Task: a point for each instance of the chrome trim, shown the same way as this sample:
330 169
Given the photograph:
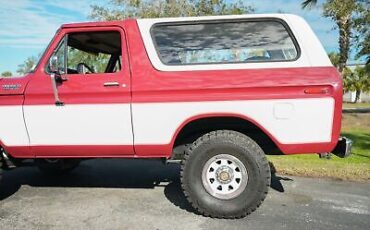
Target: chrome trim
113 83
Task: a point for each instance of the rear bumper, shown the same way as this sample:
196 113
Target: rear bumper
343 148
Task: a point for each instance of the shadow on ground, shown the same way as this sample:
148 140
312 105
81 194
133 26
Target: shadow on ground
112 173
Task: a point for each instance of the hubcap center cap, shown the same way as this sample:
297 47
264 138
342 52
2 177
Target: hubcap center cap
224 174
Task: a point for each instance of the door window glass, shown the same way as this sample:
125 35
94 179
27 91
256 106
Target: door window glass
91 52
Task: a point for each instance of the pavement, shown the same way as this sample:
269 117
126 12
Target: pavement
146 194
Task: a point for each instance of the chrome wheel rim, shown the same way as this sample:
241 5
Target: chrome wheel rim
224 176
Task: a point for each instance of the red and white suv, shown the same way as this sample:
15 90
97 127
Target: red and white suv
215 93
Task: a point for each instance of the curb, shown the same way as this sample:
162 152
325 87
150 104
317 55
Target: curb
356 110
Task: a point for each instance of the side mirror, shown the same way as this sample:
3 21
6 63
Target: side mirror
53 64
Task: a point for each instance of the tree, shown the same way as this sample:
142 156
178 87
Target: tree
308 3
98 62
27 66
352 20
6 74
334 58
357 81
119 9
362 36
342 13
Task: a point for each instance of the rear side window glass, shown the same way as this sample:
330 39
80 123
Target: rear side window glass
226 42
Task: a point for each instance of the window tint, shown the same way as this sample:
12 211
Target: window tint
228 42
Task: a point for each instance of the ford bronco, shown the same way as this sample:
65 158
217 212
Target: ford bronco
213 93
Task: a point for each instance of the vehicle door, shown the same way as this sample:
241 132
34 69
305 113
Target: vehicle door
89 113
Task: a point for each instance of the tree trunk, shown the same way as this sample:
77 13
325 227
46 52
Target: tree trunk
344 41
358 96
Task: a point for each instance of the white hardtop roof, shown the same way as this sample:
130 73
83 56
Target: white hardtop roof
312 52
203 18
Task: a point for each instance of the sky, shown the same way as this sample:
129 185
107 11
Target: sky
27 26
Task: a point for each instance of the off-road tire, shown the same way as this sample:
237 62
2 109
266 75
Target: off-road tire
61 166
1 170
244 149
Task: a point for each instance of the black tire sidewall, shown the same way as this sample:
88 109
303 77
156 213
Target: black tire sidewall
1 170
232 207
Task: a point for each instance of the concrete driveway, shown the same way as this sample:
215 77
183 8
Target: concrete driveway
145 194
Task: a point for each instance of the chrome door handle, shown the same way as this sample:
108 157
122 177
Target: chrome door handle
112 83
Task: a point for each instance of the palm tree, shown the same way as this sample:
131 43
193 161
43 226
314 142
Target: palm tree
357 81
342 12
27 66
308 3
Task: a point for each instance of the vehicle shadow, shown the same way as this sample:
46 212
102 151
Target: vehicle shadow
110 173
276 180
104 173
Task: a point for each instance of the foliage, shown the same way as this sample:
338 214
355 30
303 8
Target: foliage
119 9
362 36
308 3
343 13
357 80
334 58
6 74
352 20
27 66
96 61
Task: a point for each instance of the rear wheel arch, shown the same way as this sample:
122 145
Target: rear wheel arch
196 126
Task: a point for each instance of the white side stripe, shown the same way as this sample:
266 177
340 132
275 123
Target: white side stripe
100 124
290 121
12 128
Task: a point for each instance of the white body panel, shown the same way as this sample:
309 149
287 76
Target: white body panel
312 52
79 124
289 121
13 131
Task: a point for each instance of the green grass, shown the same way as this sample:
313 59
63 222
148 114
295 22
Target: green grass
356 167
356 105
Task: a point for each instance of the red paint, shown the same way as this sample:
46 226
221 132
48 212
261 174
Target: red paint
145 84
17 85
18 151
11 100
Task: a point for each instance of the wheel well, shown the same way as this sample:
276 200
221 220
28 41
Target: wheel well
195 129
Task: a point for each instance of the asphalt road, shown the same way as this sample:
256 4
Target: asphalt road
139 194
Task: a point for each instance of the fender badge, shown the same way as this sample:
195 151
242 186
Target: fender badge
11 87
